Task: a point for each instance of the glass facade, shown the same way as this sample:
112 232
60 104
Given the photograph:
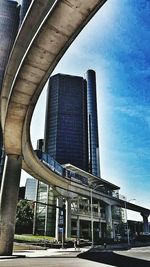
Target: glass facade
9 22
45 210
94 167
66 138
30 189
71 118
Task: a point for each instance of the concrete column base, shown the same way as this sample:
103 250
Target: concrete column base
68 218
109 220
78 227
8 202
59 203
145 222
100 230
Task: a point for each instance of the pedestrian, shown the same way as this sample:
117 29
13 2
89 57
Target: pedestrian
104 245
75 244
78 243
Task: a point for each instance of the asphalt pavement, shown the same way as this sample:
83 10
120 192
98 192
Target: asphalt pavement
49 262
135 257
66 252
81 257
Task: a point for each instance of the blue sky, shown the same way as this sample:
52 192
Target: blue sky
116 45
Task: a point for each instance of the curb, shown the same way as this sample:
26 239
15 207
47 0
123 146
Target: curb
12 257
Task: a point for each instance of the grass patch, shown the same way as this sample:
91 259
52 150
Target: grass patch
33 238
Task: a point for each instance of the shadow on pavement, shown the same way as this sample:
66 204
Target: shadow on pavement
111 258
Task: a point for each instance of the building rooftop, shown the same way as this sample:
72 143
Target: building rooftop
93 180
68 75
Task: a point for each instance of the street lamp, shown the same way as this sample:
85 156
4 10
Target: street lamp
92 229
125 204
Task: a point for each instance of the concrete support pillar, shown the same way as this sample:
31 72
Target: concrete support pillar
78 220
100 229
46 212
57 219
68 218
113 231
89 229
99 209
51 212
109 219
35 209
78 227
8 202
99 214
145 222
89 205
59 203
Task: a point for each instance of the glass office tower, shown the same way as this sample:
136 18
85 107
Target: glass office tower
24 8
66 137
66 134
94 165
9 22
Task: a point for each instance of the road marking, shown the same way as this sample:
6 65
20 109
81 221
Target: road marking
132 251
137 251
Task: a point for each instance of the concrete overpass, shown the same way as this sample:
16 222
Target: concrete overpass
35 54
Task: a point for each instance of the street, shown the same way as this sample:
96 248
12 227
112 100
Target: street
137 257
49 262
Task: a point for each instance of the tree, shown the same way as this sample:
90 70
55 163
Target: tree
24 217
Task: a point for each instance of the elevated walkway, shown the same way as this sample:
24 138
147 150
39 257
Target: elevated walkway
36 52
48 30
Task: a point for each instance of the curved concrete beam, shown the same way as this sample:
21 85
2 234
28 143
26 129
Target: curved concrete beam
36 168
36 14
22 87
134 207
54 37
34 59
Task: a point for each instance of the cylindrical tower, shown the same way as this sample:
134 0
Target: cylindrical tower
24 7
40 144
9 21
94 165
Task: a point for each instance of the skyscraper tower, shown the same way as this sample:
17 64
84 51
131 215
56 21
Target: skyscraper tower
24 8
66 137
66 131
9 22
93 142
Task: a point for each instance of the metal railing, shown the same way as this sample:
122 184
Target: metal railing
88 214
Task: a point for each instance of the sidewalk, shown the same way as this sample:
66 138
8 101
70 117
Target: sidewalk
119 246
110 247
67 252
